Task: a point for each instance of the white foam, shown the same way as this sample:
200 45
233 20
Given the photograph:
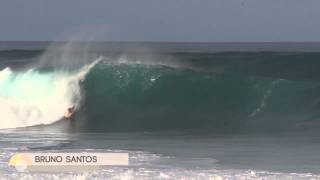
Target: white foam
31 98
266 95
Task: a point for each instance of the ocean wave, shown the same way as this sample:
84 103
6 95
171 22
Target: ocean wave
125 93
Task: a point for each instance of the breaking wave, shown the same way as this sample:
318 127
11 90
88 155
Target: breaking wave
133 92
36 97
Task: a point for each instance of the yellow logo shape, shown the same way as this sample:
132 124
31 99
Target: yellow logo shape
20 161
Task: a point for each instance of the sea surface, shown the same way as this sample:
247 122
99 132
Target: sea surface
181 110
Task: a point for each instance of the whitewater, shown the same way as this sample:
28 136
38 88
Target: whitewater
32 97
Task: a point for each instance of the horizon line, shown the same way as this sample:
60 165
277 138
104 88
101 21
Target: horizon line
199 42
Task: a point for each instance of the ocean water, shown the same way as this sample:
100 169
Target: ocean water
193 111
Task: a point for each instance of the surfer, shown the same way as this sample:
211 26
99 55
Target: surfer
69 112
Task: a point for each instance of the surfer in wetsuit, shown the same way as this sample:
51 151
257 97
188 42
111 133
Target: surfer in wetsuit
69 112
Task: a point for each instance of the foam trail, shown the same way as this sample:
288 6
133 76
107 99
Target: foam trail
33 98
265 97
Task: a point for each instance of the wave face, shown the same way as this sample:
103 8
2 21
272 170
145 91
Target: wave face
37 97
122 97
222 92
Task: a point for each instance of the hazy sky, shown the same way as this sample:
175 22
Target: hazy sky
161 20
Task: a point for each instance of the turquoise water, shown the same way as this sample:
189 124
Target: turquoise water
27 86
